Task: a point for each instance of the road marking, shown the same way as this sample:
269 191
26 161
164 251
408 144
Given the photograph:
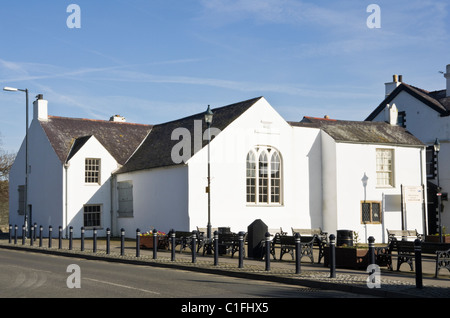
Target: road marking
123 286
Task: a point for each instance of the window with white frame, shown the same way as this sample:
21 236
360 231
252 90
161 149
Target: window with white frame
92 215
385 167
92 170
264 176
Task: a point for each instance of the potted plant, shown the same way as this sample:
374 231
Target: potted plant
434 238
146 239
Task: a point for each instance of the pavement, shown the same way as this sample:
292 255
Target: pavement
392 284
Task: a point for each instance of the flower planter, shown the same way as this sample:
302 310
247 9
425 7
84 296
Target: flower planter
435 238
147 242
348 257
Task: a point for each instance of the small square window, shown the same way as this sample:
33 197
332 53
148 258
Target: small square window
370 212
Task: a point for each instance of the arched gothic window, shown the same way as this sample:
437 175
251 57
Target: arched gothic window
264 176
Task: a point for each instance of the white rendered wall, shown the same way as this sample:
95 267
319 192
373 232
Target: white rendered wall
44 181
80 193
160 200
260 125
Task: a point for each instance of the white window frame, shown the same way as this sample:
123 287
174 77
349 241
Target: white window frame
92 170
385 167
264 177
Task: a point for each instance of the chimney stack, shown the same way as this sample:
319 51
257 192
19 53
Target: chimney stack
396 81
40 108
447 76
117 118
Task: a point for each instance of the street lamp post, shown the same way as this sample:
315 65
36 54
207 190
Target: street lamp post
208 120
11 89
437 147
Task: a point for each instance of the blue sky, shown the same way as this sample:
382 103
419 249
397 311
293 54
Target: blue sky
153 61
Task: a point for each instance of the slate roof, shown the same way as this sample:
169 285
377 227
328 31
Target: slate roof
68 135
362 131
156 149
435 100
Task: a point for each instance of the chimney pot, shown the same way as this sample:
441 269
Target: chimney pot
447 76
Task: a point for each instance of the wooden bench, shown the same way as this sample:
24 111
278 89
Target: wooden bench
321 238
405 253
404 235
286 245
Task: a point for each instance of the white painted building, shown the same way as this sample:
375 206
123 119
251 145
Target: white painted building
304 174
426 114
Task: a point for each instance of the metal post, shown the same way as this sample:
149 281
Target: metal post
138 242
122 241
35 230
267 251
94 241
60 237
50 236
15 234
155 243
108 240
371 250
70 237
194 246
418 258
216 248
10 234
332 256
241 249
32 236
40 235
24 234
172 242
82 239
298 253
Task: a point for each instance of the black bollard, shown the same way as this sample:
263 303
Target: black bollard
24 234
15 234
10 234
172 244
371 250
216 248
332 256
108 240
40 235
94 241
138 242
194 246
35 230
122 241
267 251
32 236
298 253
155 243
418 258
50 236
241 249
82 239
60 237
70 237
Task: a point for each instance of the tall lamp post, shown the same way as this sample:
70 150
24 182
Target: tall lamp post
437 147
25 194
208 120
